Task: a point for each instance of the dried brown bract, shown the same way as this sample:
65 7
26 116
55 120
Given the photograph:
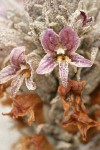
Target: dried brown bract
82 121
24 143
71 97
41 143
36 142
27 104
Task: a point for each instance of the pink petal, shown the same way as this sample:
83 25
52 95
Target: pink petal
80 61
30 84
63 72
16 84
17 56
7 73
69 39
47 64
49 40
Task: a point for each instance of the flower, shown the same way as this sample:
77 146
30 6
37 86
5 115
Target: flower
27 104
82 121
71 97
20 68
60 51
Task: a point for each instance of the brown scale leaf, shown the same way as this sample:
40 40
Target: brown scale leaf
71 97
27 104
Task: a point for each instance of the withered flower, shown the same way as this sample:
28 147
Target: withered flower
82 121
71 97
35 142
41 143
26 104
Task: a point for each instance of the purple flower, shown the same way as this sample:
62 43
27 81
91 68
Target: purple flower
60 51
18 70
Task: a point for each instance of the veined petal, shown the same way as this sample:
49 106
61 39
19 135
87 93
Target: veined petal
30 84
63 72
49 40
16 84
17 56
7 73
47 64
80 61
69 38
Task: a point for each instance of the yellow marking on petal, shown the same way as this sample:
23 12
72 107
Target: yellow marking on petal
63 58
27 75
59 58
19 72
67 59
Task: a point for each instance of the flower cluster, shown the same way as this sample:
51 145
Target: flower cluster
60 50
